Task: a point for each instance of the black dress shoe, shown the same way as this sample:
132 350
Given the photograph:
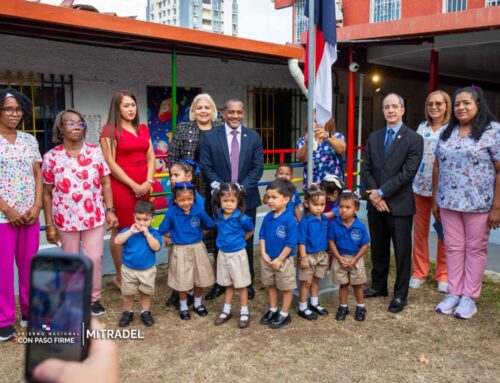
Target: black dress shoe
318 310
305 315
372 293
173 300
397 305
268 317
360 314
127 317
185 315
216 291
147 318
251 292
280 321
342 312
201 310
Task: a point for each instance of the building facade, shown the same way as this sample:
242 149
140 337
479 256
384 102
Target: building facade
218 16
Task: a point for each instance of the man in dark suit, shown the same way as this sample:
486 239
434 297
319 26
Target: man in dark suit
392 157
233 153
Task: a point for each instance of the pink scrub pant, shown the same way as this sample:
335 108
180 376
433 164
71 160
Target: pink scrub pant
466 238
92 243
19 244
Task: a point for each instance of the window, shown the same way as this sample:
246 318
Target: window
454 5
492 3
385 10
301 22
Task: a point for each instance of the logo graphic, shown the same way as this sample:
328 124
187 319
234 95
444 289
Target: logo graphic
356 235
46 327
281 232
195 222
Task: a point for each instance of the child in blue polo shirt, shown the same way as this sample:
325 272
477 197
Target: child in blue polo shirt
285 171
189 265
140 242
333 186
278 242
349 239
233 229
312 244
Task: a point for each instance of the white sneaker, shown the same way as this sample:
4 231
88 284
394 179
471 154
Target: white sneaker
447 305
442 287
416 283
23 322
466 308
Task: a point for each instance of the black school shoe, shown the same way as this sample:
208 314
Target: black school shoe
7 333
280 321
147 318
201 310
268 317
127 317
305 315
360 314
318 310
342 312
173 300
185 315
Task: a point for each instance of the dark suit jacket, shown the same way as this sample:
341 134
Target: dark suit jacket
215 165
395 174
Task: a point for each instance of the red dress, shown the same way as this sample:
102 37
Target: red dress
131 156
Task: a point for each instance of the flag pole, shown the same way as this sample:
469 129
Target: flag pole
311 36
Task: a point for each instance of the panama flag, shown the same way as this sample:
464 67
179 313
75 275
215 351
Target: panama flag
326 55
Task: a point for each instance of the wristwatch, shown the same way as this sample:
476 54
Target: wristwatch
110 209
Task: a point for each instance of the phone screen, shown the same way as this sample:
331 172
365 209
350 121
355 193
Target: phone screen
59 310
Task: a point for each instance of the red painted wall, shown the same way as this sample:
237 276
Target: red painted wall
356 12
278 4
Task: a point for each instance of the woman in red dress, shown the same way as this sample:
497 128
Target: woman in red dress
128 150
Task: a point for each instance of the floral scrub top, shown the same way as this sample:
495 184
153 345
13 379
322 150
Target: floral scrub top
17 180
422 183
325 160
77 200
467 171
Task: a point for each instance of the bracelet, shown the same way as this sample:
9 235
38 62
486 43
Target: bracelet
110 209
150 181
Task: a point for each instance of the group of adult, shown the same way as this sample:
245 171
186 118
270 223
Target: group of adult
450 165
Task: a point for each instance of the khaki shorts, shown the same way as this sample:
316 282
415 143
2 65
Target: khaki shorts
318 264
233 269
343 276
189 266
284 278
134 280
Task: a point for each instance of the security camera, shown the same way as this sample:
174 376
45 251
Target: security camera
354 67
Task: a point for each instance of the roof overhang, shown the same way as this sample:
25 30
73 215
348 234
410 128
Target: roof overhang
23 18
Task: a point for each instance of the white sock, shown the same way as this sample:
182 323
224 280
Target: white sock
344 305
197 302
184 305
283 313
244 310
314 301
143 311
303 306
361 305
227 309
273 309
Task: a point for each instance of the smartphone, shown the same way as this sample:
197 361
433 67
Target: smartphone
59 309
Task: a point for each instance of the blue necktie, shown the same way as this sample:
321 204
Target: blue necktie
388 141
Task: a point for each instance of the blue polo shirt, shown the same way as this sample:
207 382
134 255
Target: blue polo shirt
279 232
231 231
313 233
294 201
185 229
136 252
198 200
348 239
335 208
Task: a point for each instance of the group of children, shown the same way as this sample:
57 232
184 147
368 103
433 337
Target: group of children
283 231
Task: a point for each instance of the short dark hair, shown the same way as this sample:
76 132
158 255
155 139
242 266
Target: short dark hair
144 207
233 100
284 165
348 195
282 186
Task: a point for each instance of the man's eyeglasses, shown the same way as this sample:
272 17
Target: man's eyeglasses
10 111
75 125
430 104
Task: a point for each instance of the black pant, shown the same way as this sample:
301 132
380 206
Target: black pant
383 228
251 213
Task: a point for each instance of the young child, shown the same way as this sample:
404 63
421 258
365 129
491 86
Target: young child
233 229
333 186
285 171
312 245
348 239
189 265
140 242
182 171
278 242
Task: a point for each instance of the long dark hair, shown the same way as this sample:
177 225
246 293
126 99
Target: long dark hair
190 168
228 188
23 101
312 193
481 121
114 116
